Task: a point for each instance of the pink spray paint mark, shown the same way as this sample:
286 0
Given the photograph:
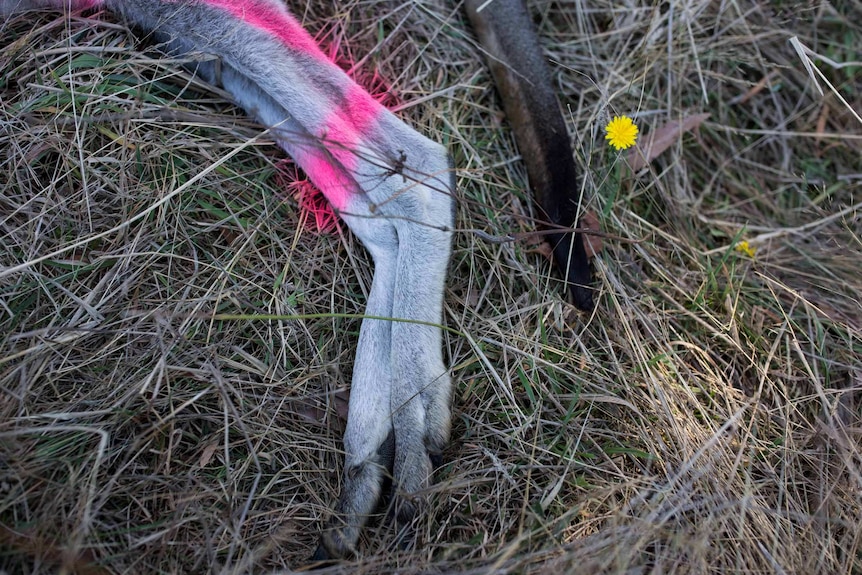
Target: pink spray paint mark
340 141
342 129
342 136
329 177
274 20
321 219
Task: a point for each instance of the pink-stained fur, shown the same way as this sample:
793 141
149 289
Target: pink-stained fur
343 129
317 211
328 176
275 20
343 135
363 109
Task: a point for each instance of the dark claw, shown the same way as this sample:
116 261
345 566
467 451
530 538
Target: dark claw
571 259
320 559
436 460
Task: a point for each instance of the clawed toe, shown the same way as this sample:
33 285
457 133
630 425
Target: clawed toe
436 460
321 558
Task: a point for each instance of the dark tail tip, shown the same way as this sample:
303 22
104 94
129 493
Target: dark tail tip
582 297
571 259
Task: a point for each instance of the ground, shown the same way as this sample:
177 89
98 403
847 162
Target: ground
176 341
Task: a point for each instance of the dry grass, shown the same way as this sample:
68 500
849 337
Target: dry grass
706 419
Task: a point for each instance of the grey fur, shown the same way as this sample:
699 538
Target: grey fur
402 211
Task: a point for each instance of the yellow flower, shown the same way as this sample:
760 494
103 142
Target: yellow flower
622 132
744 247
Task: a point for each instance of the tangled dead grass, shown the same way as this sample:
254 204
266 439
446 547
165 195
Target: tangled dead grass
707 418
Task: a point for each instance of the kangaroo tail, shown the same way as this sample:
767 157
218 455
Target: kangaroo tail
506 31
